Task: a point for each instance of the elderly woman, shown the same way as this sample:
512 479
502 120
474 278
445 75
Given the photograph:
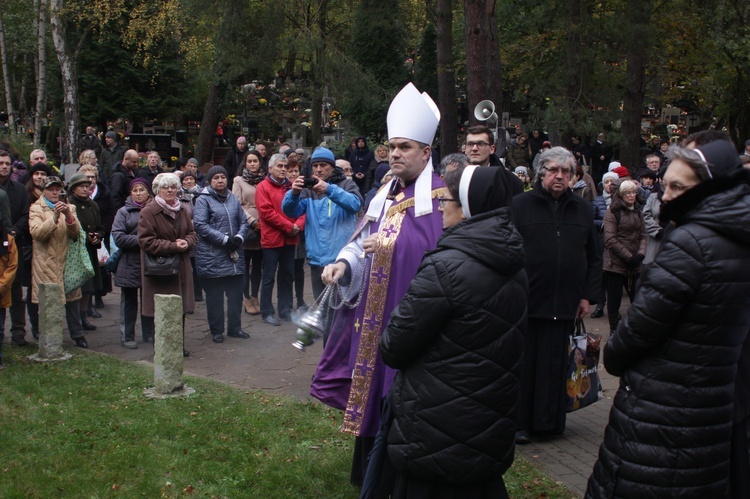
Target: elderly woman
244 186
52 223
128 274
164 230
677 350
99 192
34 182
457 342
88 215
625 241
222 227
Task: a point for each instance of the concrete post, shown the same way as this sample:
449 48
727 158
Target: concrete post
51 316
168 359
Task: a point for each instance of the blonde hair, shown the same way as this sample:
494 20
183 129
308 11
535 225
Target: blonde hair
85 157
89 169
627 186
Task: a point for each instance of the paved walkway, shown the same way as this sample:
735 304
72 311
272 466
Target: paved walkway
267 361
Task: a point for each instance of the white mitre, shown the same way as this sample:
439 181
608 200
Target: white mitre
412 115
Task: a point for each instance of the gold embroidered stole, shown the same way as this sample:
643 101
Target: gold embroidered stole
372 318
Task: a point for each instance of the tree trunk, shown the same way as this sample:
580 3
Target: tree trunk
6 77
446 79
483 71
638 46
69 81
41 72
317 73
494 78
205 146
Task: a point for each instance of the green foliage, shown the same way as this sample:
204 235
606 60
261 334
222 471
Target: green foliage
377 46
111 85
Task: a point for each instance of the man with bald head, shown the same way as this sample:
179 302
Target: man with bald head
235 160
123 174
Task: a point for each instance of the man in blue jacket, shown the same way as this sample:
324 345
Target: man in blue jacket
331 206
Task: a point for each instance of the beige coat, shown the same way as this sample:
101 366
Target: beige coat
245 192
50 243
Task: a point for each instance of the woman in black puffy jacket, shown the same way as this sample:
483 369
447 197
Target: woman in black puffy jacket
677 350
457 340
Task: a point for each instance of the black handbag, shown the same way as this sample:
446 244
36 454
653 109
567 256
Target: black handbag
161 266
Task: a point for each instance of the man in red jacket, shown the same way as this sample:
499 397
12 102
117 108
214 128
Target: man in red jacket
278 236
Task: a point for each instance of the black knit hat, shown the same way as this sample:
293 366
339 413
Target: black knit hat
39 167
214 170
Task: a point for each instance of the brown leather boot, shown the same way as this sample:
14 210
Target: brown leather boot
254 306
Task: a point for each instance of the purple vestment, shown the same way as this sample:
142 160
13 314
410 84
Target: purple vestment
350 375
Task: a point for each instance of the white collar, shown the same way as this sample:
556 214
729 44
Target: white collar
422 195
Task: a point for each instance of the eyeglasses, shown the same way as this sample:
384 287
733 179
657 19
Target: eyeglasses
481 144
443 201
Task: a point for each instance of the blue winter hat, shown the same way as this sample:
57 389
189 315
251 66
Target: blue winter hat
324 155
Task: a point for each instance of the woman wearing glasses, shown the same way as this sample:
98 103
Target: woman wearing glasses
677 350
625 241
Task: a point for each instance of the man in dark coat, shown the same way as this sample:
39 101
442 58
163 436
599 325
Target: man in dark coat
564 264
235 160
360 159
124 174
19 217
601 155
110 156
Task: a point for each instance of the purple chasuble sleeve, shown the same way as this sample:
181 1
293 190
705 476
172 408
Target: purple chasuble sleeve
351 375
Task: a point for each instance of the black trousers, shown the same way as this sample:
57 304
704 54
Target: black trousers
316 273
299 281
216 288
253 259
128 314
73 318
615 284
281 260
17 307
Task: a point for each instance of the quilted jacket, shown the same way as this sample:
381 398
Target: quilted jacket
677 351
457 340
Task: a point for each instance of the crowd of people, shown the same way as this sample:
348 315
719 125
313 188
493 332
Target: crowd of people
459 286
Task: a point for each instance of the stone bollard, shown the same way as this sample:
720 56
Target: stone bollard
168 359
51 315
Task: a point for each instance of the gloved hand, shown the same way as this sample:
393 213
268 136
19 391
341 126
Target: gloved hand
230 245
238 240
635 261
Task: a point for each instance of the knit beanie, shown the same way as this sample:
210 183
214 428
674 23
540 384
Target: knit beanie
621 171
139 180
215 170
321 154
611 175
111 135
613 165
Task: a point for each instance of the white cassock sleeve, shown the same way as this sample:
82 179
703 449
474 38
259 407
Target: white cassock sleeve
354 254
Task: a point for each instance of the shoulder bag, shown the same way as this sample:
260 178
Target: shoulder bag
78 268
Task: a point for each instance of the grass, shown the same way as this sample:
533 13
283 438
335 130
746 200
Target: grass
82 428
